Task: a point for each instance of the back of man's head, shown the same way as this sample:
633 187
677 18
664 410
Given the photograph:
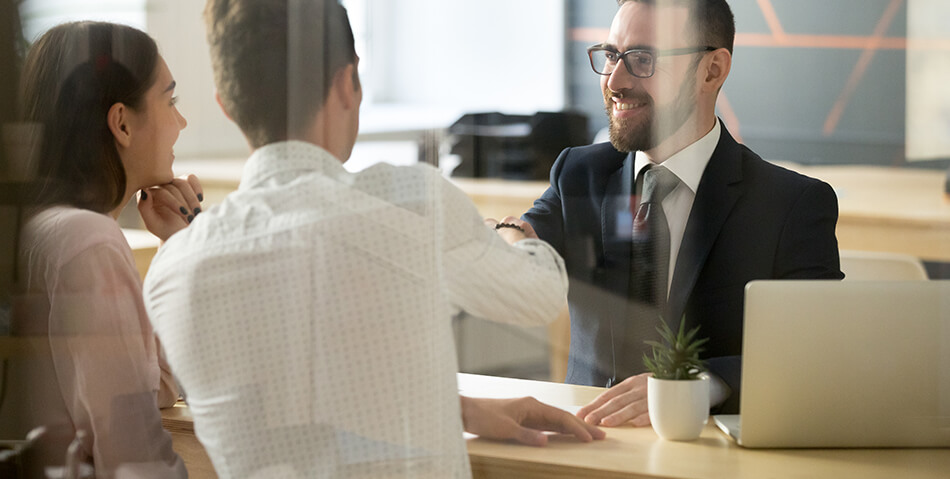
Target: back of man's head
711 20
274 61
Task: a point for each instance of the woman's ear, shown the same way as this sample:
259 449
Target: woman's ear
118 120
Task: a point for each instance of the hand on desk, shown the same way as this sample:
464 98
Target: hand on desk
627 401
522 419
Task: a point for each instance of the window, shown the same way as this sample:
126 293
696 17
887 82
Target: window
40 15
490 55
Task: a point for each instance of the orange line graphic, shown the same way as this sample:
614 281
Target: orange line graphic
589 35
843 42
834 117
772 19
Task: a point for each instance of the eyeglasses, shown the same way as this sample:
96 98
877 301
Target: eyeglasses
639 63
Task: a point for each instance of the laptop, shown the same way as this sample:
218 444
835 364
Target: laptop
844 364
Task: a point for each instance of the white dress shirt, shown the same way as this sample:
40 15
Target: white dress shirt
308 316
99 367
688 165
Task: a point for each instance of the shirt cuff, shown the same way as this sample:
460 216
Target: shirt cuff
719 391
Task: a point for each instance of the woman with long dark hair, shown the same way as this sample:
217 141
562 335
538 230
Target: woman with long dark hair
104 98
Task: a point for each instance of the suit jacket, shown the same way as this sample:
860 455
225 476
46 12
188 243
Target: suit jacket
750 220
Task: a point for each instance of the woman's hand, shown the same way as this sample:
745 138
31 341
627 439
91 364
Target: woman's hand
168 208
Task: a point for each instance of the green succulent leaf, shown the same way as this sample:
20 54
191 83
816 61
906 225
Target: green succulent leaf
676 355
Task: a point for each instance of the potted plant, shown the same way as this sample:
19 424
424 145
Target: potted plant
677 395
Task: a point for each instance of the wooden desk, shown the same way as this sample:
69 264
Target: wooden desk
179 422
630 452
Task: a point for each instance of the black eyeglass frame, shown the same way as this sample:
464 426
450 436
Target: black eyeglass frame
655 54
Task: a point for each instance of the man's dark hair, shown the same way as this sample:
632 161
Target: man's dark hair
72 76
712 20
274 61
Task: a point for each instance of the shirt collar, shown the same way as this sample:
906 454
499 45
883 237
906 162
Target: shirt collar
689 163
288 156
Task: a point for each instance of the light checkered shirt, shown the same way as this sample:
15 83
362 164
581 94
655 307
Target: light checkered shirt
308 316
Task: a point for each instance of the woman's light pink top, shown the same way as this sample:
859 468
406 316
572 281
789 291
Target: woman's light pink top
101 372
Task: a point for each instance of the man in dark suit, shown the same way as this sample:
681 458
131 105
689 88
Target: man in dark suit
725 216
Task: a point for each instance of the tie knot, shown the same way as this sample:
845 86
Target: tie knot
657 183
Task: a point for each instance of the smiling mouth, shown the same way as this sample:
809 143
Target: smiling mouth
624 106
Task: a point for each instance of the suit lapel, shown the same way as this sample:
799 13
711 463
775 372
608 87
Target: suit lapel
616 229
715 197
616 219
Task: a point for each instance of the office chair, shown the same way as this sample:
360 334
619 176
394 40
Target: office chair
874 265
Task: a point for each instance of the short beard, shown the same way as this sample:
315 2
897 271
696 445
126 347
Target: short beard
657 126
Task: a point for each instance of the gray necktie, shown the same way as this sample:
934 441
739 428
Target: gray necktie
649 270
651 238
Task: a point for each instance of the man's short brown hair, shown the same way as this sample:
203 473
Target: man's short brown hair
712 20
274 61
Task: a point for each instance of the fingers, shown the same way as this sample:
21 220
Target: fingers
176 200
537 417
600 400
613 409
550 418
160 213
523 420
169 199
168 208
624 402
490 222
643 419
530 437
182 195
189 196
621 409
196 187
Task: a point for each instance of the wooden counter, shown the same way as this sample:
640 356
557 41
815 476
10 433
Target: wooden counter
897 210
630 452
144 246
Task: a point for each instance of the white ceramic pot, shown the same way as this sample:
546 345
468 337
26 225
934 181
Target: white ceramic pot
678 408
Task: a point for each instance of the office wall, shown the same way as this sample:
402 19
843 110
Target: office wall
178 28
813 81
